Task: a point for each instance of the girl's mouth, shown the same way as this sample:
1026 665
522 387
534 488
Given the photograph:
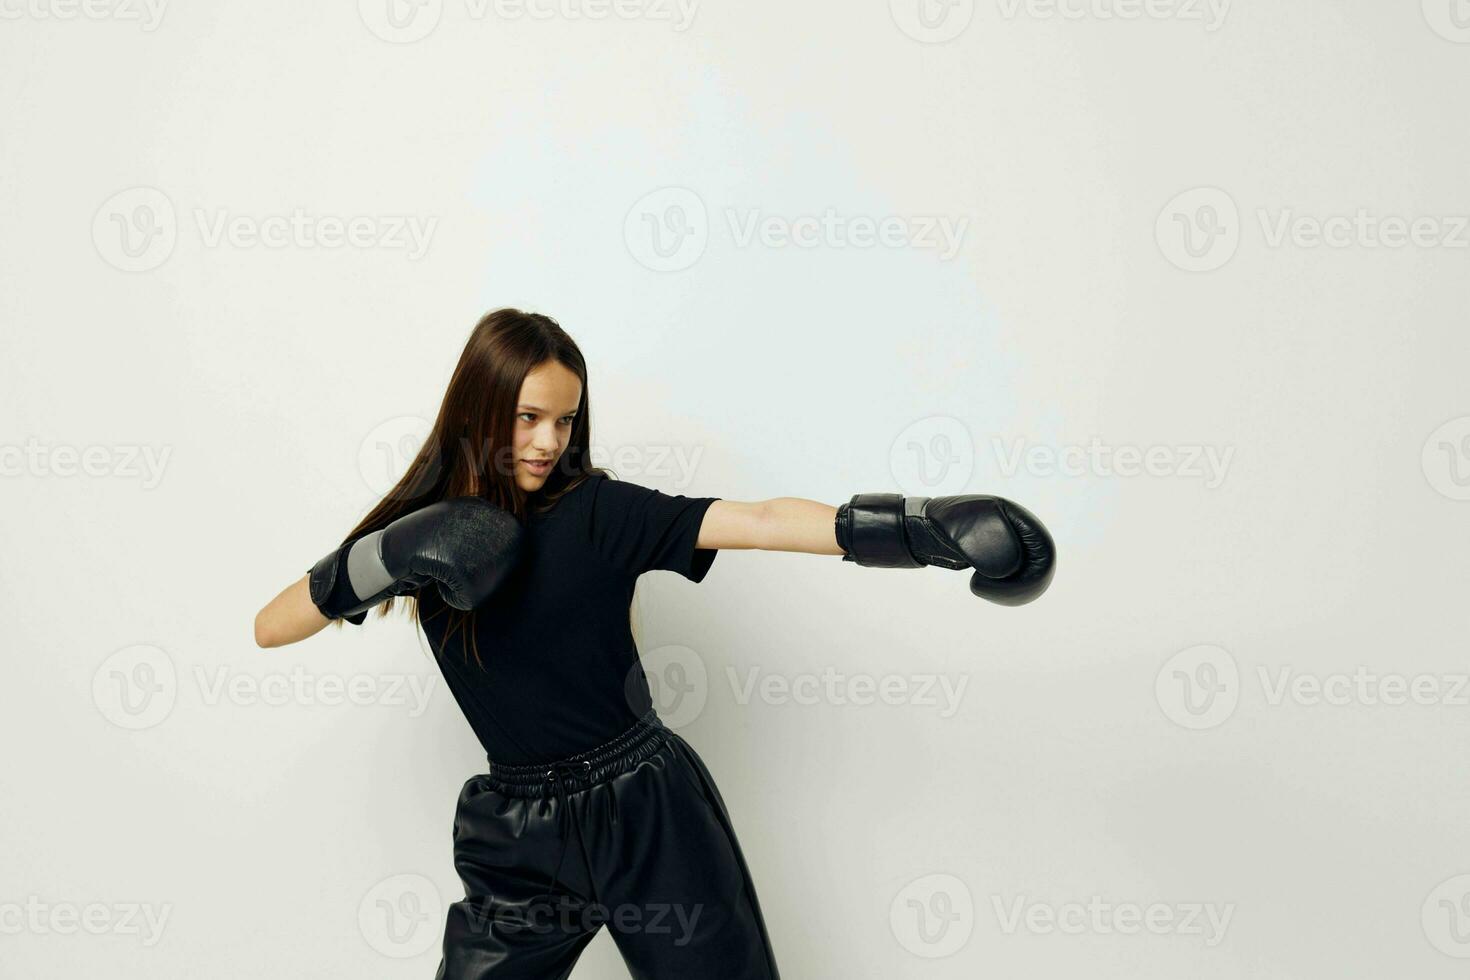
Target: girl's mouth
539 467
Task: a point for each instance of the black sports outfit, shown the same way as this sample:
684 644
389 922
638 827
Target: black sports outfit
593 812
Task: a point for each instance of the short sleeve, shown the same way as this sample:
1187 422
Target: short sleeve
639 529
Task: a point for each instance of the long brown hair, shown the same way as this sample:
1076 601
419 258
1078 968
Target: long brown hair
470 449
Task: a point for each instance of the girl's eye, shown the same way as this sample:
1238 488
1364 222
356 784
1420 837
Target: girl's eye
567 420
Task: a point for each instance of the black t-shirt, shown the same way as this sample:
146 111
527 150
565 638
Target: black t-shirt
559 671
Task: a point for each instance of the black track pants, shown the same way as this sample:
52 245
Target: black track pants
632 835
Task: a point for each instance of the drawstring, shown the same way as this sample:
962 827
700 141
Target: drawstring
528 779
557 775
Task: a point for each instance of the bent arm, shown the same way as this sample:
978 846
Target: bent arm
290 617
778 524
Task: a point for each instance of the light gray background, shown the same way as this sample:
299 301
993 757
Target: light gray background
1123 742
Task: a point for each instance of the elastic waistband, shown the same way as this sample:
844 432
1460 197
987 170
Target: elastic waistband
612 758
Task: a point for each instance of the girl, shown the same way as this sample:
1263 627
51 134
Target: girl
519 560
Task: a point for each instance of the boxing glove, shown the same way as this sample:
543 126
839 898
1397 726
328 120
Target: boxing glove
1009 549
464 545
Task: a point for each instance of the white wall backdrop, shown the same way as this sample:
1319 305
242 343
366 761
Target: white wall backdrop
1185 277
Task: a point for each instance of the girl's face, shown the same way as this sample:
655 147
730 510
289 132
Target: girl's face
545 412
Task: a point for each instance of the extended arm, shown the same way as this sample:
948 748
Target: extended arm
1010 550
779 524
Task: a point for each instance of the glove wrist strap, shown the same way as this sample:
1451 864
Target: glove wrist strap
331 588
874 528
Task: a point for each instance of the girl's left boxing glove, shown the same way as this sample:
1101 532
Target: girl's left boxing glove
465 545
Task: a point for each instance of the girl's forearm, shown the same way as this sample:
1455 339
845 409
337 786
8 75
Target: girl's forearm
289 617
797 524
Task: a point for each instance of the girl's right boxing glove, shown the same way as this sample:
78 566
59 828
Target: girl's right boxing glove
465 545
